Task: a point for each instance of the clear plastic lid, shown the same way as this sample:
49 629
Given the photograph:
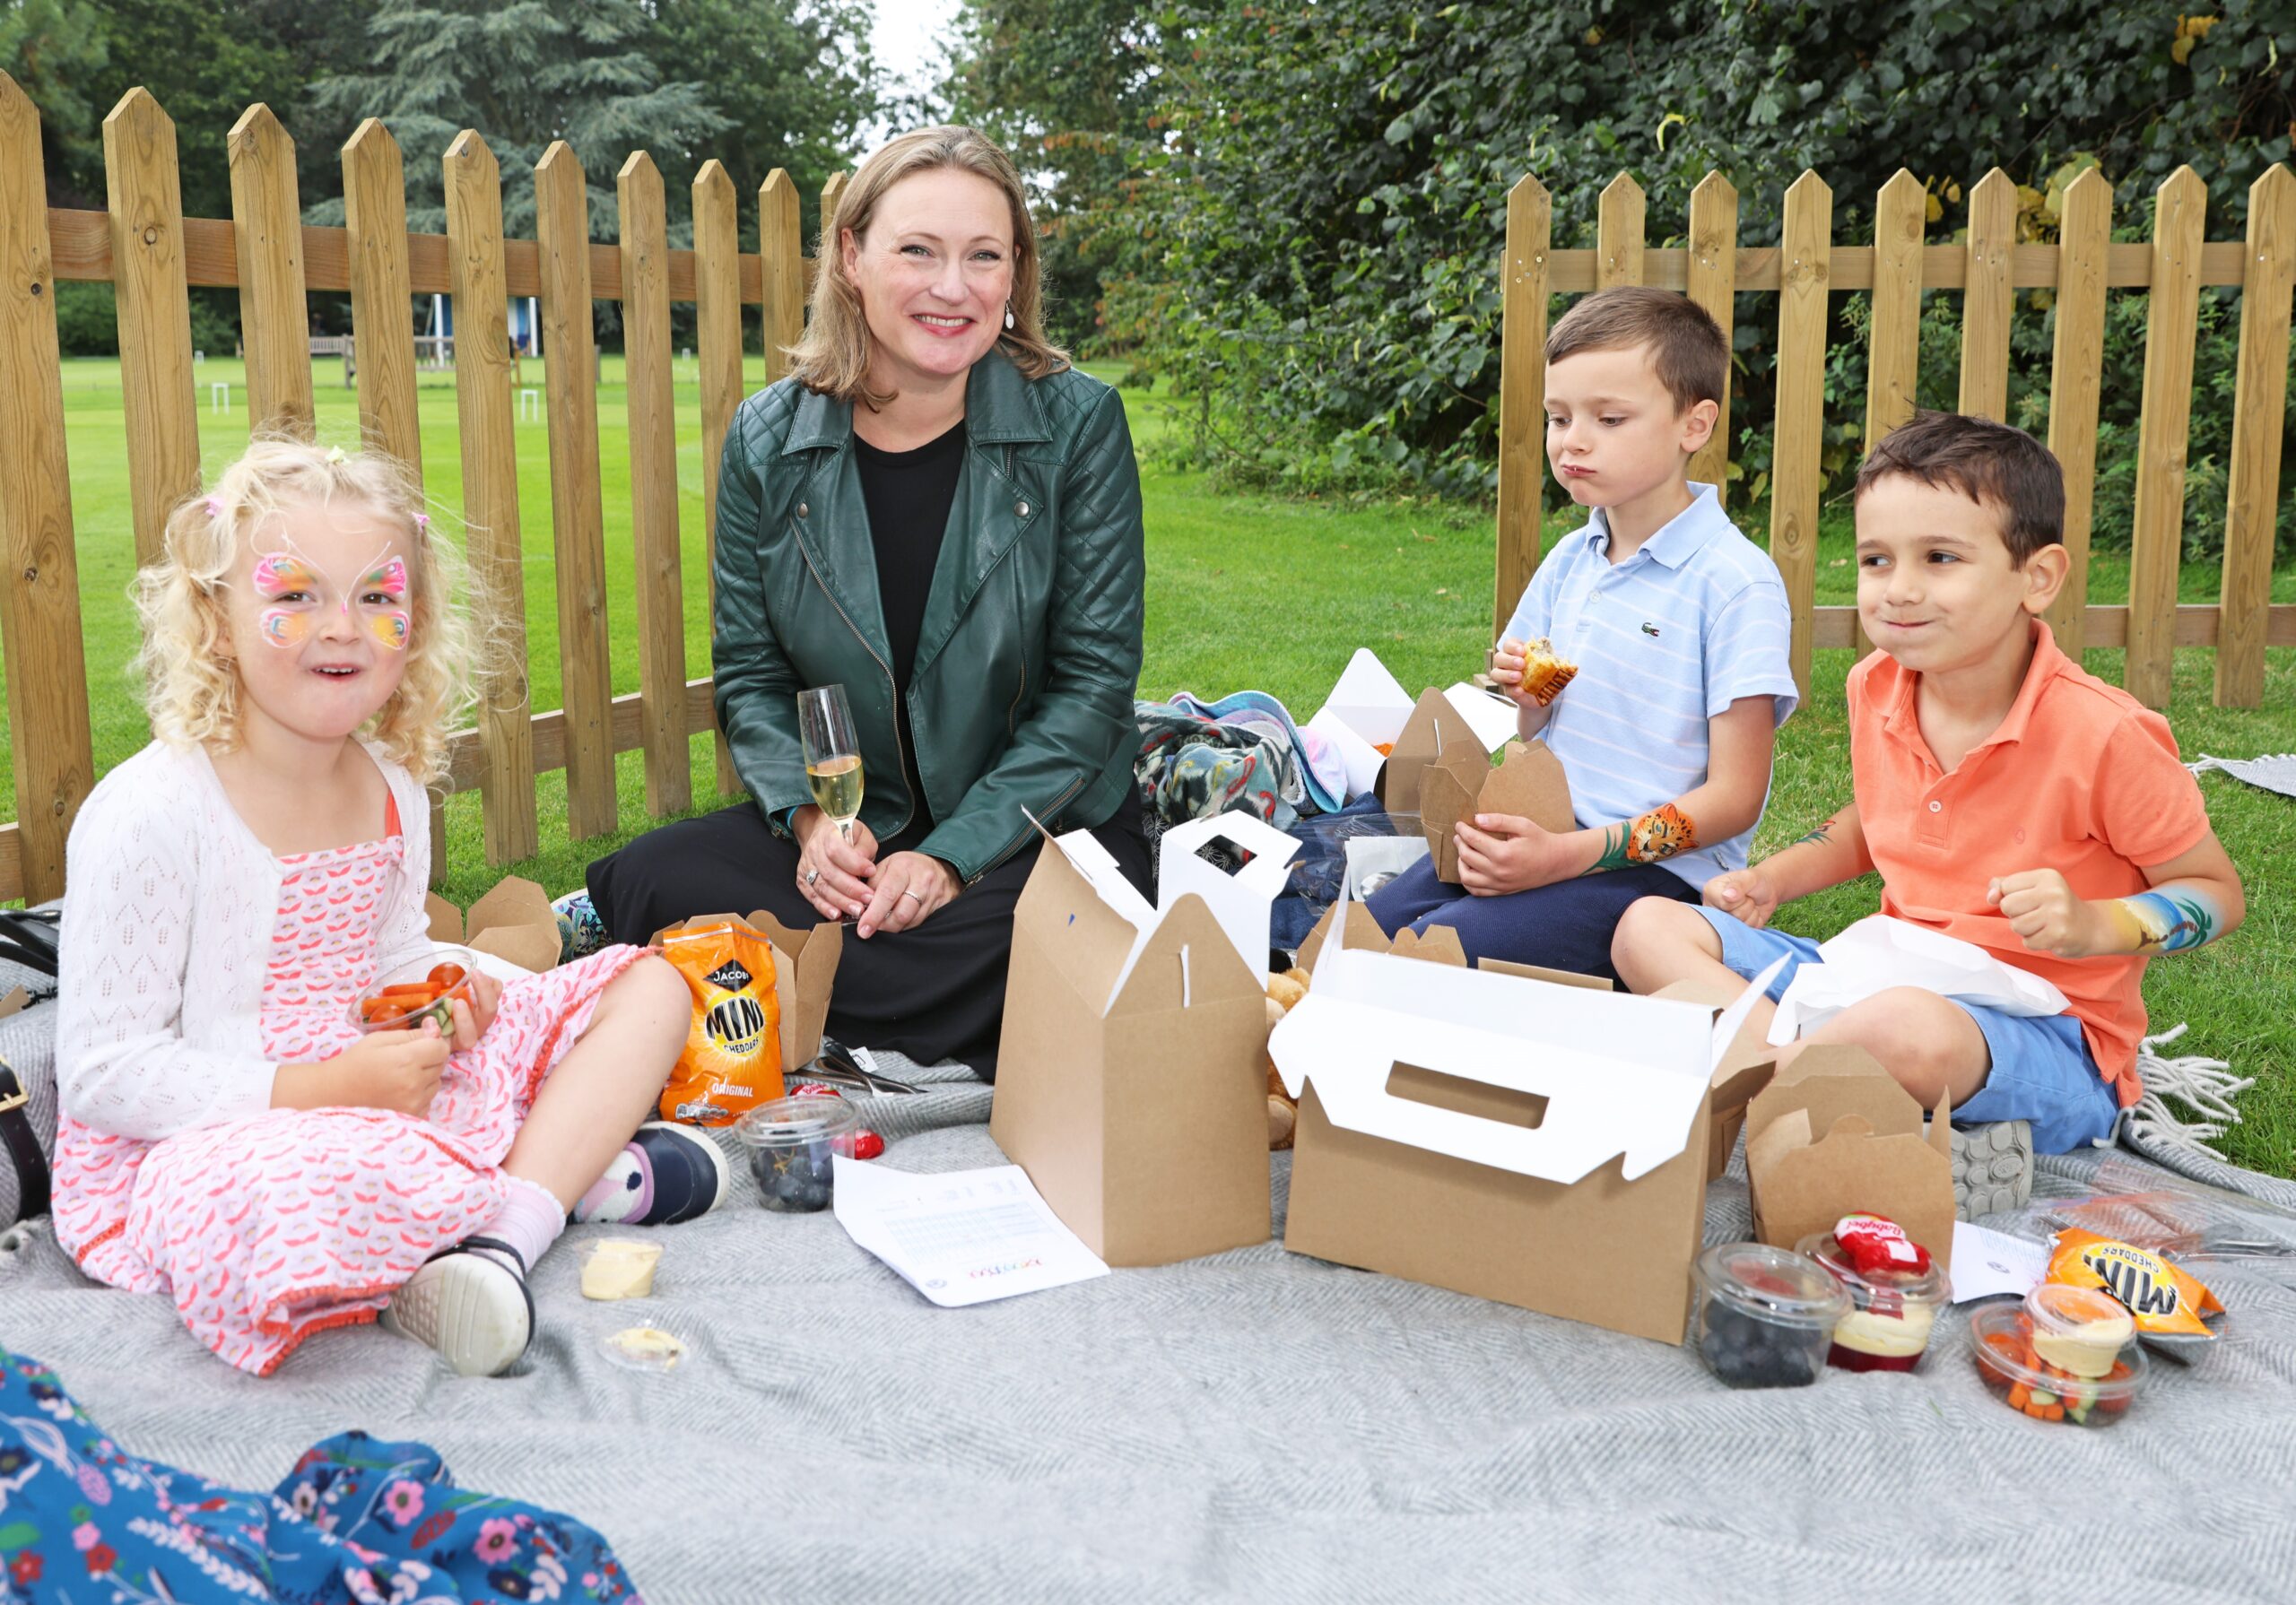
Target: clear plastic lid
643 1349
2003 1335
1774 1284
2080 1330
807 1117
1881 1287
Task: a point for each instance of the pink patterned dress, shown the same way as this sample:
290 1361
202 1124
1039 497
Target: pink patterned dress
266 1229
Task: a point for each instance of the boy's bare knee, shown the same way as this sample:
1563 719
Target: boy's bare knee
1928 1043
652 991
1654 936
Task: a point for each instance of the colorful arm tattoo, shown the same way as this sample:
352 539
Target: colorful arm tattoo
1662 832
1823 833
2169 918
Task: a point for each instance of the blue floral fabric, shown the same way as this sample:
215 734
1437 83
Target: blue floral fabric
358 1521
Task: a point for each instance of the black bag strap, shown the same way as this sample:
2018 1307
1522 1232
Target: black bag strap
29 937
22 1144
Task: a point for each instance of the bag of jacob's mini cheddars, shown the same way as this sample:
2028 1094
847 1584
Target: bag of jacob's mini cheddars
732 1059
2169 1302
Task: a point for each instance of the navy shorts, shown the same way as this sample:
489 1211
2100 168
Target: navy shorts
1565 926
2041 1072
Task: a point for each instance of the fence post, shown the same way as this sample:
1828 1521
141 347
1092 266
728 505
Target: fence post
2259 404
39 580
1621 226
483 367
1893 329
1989 297
1522 393
832 192
268 228
146 200
2157 543
1804 251
570 375
781 246
718 338
654 484
2076 382
1711 278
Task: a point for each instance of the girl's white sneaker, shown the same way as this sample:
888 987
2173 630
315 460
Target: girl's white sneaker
469 1303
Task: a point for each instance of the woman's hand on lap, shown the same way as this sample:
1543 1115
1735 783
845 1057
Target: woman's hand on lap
909 885
842 872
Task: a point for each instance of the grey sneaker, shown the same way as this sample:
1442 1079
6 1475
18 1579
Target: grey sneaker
1993 1167
469 1303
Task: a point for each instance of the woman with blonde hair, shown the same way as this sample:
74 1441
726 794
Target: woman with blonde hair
937 512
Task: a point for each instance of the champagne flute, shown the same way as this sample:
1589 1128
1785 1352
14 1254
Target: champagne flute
832 755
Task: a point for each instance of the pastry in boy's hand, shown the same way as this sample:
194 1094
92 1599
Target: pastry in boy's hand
1543 673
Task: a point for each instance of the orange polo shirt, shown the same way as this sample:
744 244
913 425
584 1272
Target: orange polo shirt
2081 777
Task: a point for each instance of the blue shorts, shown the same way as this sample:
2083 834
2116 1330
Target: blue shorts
2042 1070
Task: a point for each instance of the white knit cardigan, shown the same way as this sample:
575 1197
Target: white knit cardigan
169 909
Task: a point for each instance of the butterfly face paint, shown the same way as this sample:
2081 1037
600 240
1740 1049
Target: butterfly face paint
382 603
292 586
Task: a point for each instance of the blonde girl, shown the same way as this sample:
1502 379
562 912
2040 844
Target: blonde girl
228 1138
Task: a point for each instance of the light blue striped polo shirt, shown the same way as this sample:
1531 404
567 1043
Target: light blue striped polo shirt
1663 641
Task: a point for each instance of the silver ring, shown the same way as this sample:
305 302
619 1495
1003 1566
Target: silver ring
812 876
920 901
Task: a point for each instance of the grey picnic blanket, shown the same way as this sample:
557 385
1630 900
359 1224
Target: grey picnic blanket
1254 1426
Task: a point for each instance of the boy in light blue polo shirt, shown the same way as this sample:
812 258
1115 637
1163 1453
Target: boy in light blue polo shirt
1678 628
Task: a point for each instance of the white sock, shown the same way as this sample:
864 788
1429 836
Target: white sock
530 1219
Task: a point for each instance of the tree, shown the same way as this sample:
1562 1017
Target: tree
523 74
54 51
1069 87
795 82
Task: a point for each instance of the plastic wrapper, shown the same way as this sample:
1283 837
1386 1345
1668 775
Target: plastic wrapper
2152 1208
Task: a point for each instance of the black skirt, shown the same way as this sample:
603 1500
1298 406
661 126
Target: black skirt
936 993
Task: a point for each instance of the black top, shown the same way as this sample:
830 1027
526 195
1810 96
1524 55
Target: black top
909 495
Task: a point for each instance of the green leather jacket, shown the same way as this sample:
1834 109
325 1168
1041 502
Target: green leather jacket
1029 653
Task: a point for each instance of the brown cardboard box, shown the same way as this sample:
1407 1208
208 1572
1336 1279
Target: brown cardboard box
1462 783
14 1003
514 922
1744 1070
804 970
1539 1144
1129 1083
1832 1135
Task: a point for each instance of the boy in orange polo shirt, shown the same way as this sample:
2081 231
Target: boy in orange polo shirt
2007 797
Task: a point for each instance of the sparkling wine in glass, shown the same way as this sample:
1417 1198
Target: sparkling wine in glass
832 754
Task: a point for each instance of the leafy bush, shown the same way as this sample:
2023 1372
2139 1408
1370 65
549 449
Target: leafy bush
1321 202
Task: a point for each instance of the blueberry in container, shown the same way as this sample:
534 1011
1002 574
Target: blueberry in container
1765 1315
791 1144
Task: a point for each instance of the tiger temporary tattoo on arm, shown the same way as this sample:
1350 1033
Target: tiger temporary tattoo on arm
1660 834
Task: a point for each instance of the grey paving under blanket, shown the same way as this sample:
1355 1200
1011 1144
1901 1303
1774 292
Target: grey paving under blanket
1255 1426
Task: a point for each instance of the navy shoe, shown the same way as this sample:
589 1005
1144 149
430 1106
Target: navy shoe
664 1174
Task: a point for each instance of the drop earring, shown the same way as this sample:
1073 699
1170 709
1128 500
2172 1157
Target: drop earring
1008 315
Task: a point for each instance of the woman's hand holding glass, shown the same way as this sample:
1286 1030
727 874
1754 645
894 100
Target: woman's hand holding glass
834 869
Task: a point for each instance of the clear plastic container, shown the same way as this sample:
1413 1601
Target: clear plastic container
2001 1340
643 1349
618 1268
415 972
1891 1313
792 1143
2079 1330
1765 1315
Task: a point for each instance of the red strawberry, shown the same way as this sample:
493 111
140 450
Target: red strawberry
1875 1245
867 1144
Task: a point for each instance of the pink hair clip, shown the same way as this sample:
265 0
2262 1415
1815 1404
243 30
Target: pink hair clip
214 507
423 524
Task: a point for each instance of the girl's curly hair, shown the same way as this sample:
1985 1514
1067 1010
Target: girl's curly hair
192 688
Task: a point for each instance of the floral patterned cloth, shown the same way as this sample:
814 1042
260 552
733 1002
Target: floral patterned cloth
358 1521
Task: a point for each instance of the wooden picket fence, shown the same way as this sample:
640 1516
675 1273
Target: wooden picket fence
1804 267
152 254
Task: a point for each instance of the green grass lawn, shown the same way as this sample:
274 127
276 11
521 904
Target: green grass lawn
1250 591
